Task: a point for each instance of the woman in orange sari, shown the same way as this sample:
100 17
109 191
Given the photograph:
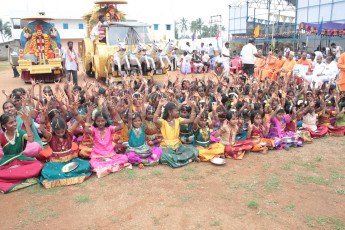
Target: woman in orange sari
269 67
259 65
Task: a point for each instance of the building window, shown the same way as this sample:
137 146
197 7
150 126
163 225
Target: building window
81 26
168 27
155 26
65 26
53 25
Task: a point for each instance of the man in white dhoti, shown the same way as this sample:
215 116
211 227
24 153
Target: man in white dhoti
319 68
226 59
329 74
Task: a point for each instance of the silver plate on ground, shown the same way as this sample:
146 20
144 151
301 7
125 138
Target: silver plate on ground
14 166
125 143
70 167
263 144
218 161
317 131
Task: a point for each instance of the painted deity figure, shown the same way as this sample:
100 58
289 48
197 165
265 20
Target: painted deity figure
40 46
111 15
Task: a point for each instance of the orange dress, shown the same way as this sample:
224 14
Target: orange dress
259 65
288 67
278 65
269 68
341 66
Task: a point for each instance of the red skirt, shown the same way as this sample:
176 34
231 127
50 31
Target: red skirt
11 177
45 154
335 130
238 150
320 132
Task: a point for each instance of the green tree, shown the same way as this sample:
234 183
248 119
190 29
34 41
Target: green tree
176 30
193 27
5 30
199 24
183 25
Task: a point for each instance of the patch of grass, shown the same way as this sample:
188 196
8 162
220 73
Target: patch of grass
146 177
156 221
272 204
318 159
266 166
161 204
103 185
157 173
247 185
82 199
115 220
221 195
215 223
191 170
308 165
82 185
253 204
199 226
92 226
130 174
185 177
272 214
272 184
185 198
37 213
340 191
303 179
290 207
335 175
286 167
191 185
325 221
130 193
38 190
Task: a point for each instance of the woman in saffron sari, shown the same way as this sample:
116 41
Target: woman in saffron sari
16 169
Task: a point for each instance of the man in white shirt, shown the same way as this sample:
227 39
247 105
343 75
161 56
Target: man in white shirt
329 74
70 62
336 50
319 68
202 48
226 58
286 50
248 55
218 63
205 60
189 49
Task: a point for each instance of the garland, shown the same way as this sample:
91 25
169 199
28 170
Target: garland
324 32
266 35
33 44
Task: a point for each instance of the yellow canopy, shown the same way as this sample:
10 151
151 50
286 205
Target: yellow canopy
37 17
111 2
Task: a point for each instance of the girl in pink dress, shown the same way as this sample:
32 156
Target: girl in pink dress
104 160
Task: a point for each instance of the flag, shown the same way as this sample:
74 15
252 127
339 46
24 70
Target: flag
257 31
217 35
193 36
320 28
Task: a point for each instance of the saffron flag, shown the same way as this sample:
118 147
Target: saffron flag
320 28
257 31
217 35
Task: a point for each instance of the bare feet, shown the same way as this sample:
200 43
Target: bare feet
197 159
264 151
141 166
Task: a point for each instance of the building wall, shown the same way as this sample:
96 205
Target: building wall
4 50
313 11
77 43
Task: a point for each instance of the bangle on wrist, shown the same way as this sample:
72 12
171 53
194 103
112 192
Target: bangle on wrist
31 135
120 121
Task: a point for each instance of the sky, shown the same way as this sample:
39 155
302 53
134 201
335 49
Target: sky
141 10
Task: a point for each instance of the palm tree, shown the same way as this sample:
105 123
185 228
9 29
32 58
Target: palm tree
193 27
5 30
199 24
183 25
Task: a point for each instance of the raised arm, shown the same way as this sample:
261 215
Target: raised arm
25 116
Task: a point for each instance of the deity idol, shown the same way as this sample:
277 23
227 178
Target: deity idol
40 45
111 15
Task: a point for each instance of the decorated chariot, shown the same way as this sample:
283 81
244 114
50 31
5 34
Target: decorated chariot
127 46
39 56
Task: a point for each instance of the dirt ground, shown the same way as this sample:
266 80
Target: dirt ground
300 189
